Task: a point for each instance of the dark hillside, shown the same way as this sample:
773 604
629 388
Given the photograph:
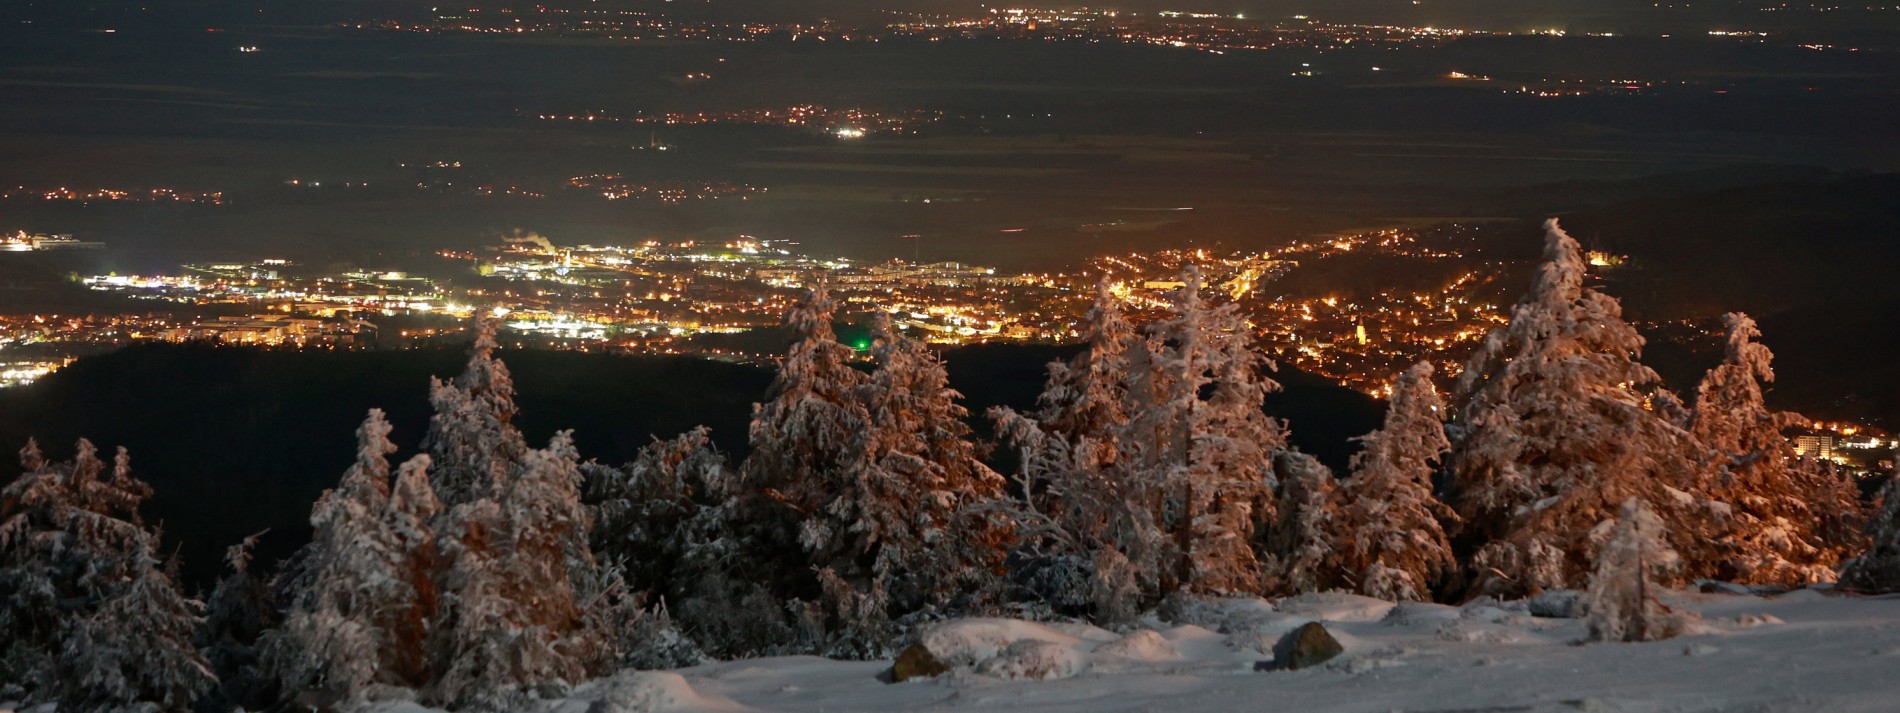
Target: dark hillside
238 440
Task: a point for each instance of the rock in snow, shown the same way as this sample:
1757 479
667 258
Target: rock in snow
1306 647
916 661
1557 604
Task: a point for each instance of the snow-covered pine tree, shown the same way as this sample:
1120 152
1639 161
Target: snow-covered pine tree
711 561
1391 539
806 432
238 613
936 540
1064 451
358 605
1551 435
135 653
68 534
1301 545
471 437
1198 448
1793 521
809 450
639 508
1083 396
1631 567
724 586
1878 568
511 626
408 520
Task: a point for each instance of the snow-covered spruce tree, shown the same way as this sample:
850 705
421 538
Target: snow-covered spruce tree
720 587
360 602
1631 567
725 587
511 626
1878 568
472 437
1793 521
1083 396
638 509
1197 449
809 451
920 500
1065 449
1301 545
1551 435
68 534
1391 542
238 613
135 653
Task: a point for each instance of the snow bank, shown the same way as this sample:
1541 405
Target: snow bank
1141 645
971 642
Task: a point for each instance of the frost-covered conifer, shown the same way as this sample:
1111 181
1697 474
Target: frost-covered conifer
1551 435
359 602
511 625
1065 449
724 583
947 548
68 535
1391 540
1083 396
471 437
239 611
1630 568
1148 463
1197 447
810 461
638 509
1302 554
806 432
135 653
1793 521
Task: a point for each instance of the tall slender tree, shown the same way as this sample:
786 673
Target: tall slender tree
1302 545
949 546
1878 568
1198 445
1067 496
360 599
239 612
1393 544
512 623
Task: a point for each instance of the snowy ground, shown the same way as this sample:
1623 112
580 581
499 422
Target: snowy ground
1804 651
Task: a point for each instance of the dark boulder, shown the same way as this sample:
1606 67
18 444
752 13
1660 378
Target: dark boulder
1305 647
915 662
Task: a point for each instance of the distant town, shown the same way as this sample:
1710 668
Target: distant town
704 298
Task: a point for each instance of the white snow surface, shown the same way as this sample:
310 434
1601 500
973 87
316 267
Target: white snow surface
1809 650
1833 653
